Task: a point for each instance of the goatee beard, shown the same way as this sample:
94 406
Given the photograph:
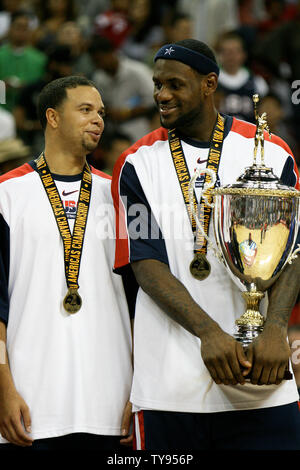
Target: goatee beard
89 147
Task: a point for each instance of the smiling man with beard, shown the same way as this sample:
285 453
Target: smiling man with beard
189 386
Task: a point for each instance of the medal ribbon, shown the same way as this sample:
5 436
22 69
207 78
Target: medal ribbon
73 244
183 175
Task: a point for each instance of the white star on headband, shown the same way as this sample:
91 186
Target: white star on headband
169 50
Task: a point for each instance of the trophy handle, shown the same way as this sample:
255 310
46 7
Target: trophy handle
208 185
293 255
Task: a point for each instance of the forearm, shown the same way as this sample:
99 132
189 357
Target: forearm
14 412
170 295
283 295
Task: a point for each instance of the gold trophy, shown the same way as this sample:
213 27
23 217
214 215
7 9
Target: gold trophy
256 221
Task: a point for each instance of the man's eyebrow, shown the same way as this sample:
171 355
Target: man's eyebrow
171 78
84 104
91 105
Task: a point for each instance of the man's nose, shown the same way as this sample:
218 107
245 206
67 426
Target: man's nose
163 94
98 119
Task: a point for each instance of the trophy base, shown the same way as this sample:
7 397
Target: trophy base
245 334
251 323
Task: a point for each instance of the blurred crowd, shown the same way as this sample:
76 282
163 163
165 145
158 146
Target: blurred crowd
112 42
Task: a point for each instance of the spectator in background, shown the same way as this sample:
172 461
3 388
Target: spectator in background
176 27
145 30
88 10
20 64
282 44
7 9
126 86
211 17
237 84
272 105
250 14
277 12
279 52
113 23
60 64
52 14
70 34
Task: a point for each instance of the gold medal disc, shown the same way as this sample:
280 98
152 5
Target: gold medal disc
200 267
72 301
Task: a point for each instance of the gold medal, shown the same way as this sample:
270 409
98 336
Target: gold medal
72 249
200 267
72 301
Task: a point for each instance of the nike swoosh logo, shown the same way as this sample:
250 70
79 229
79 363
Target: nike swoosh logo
201 161
70 192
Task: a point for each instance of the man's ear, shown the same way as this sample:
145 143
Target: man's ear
211 83
52 118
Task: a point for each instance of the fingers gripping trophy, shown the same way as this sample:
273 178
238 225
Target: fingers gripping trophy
256 221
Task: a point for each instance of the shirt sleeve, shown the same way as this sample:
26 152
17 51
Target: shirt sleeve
131 288
290 174
290 177
138 235
4 269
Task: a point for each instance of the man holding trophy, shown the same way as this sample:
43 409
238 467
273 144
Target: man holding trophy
199 383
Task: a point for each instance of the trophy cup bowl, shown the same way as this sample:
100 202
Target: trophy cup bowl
256 226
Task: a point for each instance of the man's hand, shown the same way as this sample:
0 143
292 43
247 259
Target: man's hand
14 417
269 353
126 424
224 357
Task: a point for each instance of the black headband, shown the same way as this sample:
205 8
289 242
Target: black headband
194 59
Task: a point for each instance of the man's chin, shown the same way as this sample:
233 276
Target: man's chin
89 148
166 124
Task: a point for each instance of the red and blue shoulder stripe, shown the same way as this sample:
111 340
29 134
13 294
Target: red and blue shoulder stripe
17 172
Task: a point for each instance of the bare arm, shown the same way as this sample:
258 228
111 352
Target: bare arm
222 355
13 408
270 352
283 296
